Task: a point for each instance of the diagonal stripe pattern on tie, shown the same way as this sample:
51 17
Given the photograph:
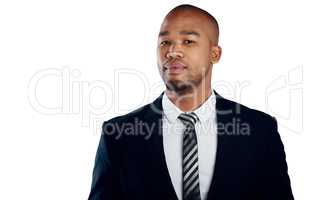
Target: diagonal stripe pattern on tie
191 188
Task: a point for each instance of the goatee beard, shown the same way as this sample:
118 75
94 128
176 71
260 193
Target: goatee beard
180 87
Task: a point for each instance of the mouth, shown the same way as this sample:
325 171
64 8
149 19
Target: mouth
175 68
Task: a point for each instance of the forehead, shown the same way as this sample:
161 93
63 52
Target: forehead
179 22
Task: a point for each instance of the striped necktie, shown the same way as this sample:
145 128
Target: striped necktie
191 189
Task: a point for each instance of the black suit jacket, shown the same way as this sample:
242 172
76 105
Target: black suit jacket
250 160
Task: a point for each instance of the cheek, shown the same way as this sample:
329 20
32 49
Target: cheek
161 54
158 53
205 58
200 58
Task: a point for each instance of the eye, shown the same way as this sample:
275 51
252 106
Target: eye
188 41
165 42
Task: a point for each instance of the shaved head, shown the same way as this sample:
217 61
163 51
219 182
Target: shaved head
211 22
187 49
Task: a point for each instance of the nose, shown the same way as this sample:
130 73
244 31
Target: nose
174 52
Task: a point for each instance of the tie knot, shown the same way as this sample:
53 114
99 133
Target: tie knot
188 118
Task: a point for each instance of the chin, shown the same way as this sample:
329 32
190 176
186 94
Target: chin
179 86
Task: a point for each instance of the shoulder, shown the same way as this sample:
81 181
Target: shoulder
255 118
136 115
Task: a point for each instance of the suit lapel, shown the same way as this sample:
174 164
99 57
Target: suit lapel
163 184
224 115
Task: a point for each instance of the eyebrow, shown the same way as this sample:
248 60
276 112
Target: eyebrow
184 32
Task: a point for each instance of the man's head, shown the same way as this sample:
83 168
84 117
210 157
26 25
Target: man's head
187 48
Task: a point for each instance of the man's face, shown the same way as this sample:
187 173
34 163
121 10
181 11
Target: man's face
184 51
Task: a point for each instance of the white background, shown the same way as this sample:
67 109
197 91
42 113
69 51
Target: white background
68 65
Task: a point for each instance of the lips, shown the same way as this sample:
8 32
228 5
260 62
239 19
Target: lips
175 67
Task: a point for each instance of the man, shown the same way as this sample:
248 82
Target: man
190 143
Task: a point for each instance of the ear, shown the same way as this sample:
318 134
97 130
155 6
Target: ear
216 53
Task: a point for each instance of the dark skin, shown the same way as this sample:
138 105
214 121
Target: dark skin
187 49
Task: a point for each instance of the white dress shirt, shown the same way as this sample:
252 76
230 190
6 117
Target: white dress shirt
206 130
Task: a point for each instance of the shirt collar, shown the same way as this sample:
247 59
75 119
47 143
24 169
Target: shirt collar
205 112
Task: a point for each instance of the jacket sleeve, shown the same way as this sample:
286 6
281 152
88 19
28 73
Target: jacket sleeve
275 179
106 174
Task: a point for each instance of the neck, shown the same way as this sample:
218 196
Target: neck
189 101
